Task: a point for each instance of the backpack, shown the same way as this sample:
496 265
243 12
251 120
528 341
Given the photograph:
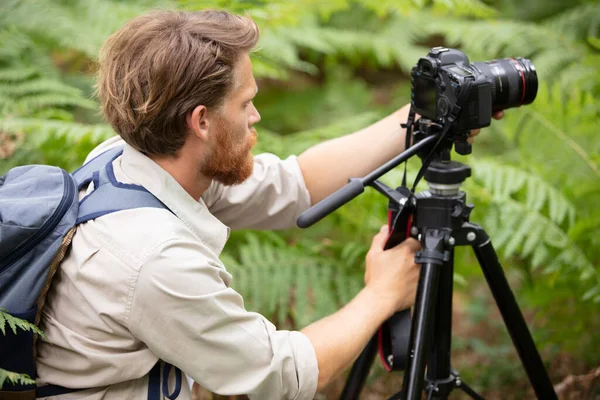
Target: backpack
39 214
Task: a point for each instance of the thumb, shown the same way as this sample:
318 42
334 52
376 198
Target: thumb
379 240
413 244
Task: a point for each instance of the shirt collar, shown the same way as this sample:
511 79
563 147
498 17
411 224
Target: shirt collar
193 213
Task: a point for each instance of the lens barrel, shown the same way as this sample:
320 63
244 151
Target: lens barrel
514 81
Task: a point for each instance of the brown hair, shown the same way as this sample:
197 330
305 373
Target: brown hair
161 65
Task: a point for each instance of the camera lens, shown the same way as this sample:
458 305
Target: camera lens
514 81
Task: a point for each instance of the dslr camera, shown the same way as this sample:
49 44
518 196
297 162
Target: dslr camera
439 81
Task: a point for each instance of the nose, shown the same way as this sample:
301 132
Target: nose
254 116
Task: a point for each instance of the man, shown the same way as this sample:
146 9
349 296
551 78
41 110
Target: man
147 284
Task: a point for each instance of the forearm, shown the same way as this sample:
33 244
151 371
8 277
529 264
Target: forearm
339 338
327 166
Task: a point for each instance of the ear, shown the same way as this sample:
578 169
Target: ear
198 122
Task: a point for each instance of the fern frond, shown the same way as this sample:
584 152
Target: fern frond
17 74
273 277
288 27
276 50
472 8
584 226
14 378
16 323
62 23
527 216
504 181
391 46
534 236
27 90
280 12
44 128
29 87
550 50
298 142
579 22
31 103
558 130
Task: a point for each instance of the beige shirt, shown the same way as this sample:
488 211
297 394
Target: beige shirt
144 284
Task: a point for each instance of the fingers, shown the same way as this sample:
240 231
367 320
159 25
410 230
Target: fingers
472 134
475 132
379 240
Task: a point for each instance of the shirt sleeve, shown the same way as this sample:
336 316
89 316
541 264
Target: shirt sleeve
272 198
186 313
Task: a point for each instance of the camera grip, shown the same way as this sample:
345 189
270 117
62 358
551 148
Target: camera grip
331 203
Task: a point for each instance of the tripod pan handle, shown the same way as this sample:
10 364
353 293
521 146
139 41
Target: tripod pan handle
331 203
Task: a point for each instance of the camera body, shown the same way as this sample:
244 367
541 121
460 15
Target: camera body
436 83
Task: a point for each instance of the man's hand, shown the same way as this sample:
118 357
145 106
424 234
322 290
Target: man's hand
391 279
475 132
392 274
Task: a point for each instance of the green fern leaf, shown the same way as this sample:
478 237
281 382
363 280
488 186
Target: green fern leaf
16 323
14 378
503 181
17 75
46 128
280 275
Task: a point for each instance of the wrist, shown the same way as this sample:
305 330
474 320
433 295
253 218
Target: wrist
381 300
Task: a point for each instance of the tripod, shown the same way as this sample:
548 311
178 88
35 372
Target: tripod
440 222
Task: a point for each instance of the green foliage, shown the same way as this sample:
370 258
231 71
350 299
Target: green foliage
45 61
327 68
290 27
561 46
14 324
14 378
292 285
536 185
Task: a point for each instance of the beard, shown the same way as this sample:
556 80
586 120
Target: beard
231 162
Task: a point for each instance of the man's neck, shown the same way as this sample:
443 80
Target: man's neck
185 172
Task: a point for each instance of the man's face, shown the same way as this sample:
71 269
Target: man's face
230 160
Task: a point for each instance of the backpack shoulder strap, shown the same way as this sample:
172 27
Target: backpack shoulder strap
109 195
84 174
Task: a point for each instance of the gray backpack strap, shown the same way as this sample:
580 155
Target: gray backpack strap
84 174
109 195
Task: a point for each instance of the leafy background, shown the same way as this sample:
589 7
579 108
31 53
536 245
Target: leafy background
329 68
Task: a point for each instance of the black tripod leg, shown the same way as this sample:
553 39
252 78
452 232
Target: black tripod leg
433 255
513 319
438 365
468 390
360 371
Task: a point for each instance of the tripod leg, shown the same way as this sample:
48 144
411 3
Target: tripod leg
513 319
468 390
360 371
438 365
431 259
